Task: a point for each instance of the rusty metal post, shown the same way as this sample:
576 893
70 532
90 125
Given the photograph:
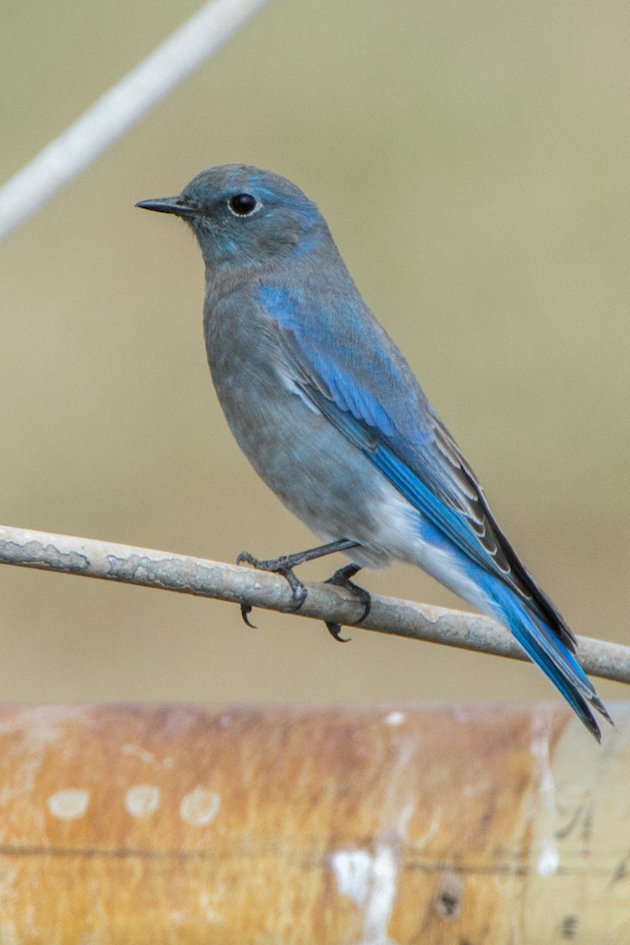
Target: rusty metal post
235 825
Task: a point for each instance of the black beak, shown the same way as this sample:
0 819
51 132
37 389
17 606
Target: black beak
177 205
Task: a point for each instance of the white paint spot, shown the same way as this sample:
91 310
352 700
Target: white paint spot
142 799
381 898
352 869
431 830
138 752
544 808
69 804
370 881
199 807
206 905
549 860
395 718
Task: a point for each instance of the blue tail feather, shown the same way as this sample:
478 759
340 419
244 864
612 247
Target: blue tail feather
549 646
552 656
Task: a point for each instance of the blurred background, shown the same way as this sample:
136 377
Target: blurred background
473 161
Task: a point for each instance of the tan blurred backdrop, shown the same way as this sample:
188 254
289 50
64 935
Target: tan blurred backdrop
473 161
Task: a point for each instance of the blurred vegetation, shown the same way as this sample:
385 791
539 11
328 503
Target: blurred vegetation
472 159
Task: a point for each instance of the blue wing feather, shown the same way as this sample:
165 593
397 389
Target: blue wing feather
380 408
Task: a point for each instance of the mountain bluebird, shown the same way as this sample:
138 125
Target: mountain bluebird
330 415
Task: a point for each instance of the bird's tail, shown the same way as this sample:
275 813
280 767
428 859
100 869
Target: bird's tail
544 647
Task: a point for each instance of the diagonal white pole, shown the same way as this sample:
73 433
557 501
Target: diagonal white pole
120 108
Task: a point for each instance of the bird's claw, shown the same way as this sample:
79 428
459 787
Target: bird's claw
282 566
341 578
298 589
334 630
246 610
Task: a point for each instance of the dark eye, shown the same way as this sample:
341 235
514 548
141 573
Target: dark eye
243 205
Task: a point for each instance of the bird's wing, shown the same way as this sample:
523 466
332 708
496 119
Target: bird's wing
349 369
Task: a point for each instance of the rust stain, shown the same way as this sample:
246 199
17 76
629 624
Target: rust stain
300 825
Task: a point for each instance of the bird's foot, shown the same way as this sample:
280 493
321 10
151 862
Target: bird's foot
285 564
341 578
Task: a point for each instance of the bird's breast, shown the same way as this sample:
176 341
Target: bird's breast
304 459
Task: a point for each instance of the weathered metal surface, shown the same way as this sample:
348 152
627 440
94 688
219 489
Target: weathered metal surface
239 825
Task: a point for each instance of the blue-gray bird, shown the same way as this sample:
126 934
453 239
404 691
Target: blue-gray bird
330 415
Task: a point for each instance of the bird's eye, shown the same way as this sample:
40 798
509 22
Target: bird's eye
243 205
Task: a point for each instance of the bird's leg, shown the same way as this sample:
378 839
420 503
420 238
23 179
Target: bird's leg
342 578
285 564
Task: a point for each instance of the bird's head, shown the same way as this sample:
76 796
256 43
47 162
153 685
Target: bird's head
245 216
